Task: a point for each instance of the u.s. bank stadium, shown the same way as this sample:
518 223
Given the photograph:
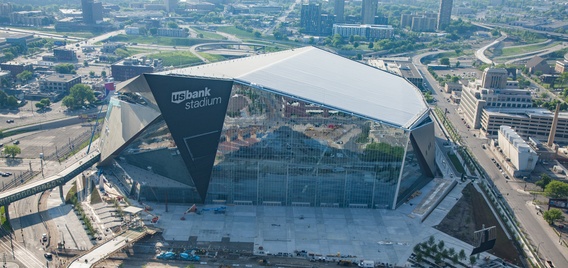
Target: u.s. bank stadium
302 127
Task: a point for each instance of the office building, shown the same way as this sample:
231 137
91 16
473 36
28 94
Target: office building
369 11
92 11
310 18
520 155
301 127
338 11
131 67
528 123
59 84
444 14
370 32
423 24
62 54
491 92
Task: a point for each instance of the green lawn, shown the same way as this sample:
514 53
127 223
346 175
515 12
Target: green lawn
456 162
159 40
212 57
209 35
176 58
234 31
509 51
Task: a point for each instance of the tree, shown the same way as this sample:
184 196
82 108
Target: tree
39 105
371 45
103 74
458 64
472 260
92 73
12 150
441 245
556 189
24 76
445 61
173 25
11 101
431 240
544 180
65 68
78 95
461 255
85 63
552 215
257 34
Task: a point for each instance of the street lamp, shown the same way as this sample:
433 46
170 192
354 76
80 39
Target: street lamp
537 249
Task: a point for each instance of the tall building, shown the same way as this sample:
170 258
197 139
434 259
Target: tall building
301 127
92 11
87 9
310 18
338 11
494 78
171 5
369 11
491 92
445 14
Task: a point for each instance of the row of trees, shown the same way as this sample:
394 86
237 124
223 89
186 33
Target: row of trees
438 252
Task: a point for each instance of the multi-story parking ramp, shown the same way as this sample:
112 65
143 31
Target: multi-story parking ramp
26 190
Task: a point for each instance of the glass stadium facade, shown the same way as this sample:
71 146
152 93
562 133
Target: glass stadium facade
240 143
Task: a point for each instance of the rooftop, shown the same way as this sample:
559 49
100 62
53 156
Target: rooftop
60 77
321 77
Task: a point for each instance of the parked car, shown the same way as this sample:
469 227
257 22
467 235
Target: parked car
10 121
16 142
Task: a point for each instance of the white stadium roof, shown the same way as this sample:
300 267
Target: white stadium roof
324 78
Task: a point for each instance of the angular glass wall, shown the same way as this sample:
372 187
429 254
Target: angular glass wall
278 150
154 162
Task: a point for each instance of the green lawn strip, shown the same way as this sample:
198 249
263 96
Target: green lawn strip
209 35
159 40
509 51
212 57
176 58
235 31
3 221
456 162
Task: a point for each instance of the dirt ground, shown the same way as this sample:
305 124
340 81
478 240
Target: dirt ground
464 218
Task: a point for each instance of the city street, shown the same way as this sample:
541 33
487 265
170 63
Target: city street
538 231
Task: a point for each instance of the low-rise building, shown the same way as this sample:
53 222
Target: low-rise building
560 66
58 84
368 31
528 123
132 30
131 67
522 157
538 64
62 54
401 66
16 68
450 87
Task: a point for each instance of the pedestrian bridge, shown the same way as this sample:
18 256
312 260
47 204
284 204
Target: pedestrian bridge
35 187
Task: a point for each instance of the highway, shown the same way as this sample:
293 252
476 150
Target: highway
513 191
